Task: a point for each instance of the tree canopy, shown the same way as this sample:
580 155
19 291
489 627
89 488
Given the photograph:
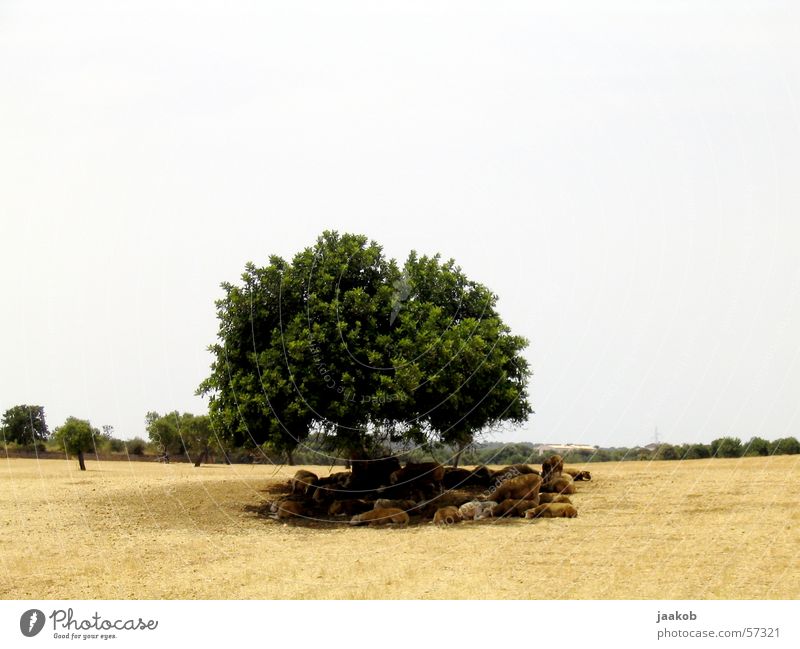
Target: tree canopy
757 446
785 446
726 447
24 424
345 342
175 433
77 437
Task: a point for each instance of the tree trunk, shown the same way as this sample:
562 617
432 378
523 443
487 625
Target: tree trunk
80 461
457 458
289 458
202 457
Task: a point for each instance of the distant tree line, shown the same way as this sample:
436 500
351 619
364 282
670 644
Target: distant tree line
727 447
316 451
525 452
175 436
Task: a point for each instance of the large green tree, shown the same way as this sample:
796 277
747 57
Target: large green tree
346 343
77 437
24 424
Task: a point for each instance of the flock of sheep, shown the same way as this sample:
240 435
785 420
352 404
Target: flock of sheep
381 492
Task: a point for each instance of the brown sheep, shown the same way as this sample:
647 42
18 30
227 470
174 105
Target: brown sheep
330 487
302 480
552 468
524 468
511 507
525 505
456 478
523 487
371 473
386 503
554 498
578 475
334 479
321 494
513 471
381 517
450 498
552 510
289 509
348 507
446 516
504 507
482 475
419 472
504 474
561 485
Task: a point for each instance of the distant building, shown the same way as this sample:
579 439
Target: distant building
564 448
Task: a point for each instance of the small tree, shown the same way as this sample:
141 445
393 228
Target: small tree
107 443
726 447
24 425
135 446
76 436
163 432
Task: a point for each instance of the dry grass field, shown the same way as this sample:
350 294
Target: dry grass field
698 529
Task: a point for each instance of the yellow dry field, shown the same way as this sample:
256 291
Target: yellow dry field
679 530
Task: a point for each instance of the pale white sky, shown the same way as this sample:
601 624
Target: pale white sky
624 176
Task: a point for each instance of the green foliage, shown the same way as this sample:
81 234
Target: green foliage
179 434
726 447
107 443
135 446
196 431
785 446
696 451
507 454
76 437
162 430
24 425
757 446
461 368
343 343
116 445
667 452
